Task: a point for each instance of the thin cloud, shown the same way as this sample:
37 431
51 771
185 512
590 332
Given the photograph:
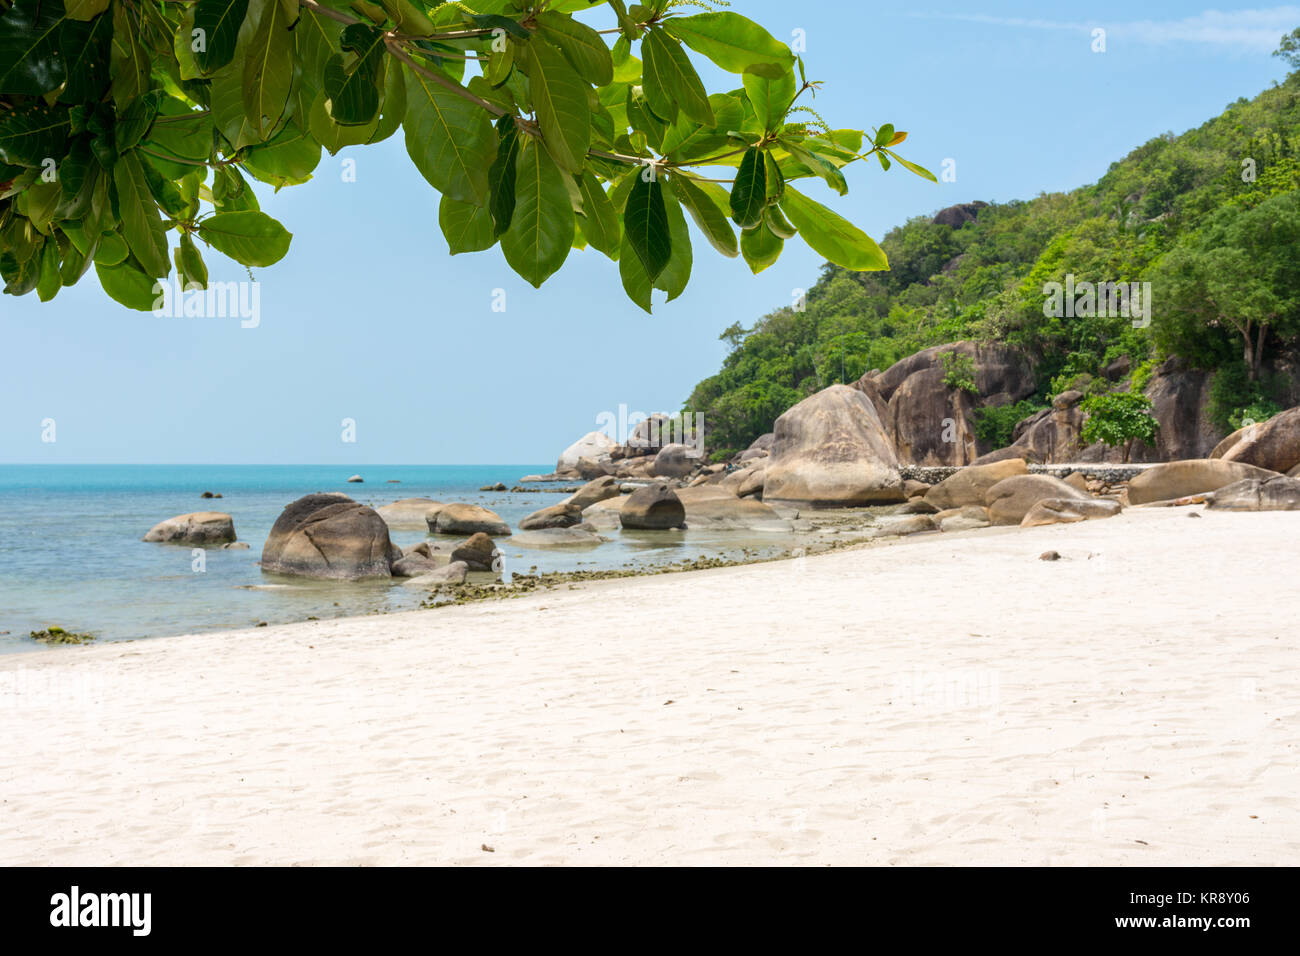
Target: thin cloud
1256 31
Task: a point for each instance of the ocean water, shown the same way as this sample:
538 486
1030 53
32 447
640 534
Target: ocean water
71 554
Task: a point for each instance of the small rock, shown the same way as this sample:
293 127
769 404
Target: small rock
1050 556
356 478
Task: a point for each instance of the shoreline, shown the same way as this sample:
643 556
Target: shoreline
860 710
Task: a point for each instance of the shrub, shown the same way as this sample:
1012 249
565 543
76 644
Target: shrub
959 372
1118 420
995 425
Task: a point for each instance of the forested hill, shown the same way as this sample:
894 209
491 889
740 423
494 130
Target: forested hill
1210 217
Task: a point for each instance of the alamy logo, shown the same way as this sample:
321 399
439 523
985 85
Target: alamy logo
1107 300
102 909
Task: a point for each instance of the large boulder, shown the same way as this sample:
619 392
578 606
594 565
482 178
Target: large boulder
408 514
1068 511
1274 444
453 573
967 518
1053 434
676 461
1010 499
1176 479
461 518
197 527
971 484
595 490
414 564
713 507
932 423
960 214
831 450
478 552
654 507
1278 493
330 536
563 515
591 445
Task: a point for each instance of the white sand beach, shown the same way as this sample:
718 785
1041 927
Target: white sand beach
942 700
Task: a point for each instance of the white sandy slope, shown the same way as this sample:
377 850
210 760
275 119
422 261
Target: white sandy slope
951 700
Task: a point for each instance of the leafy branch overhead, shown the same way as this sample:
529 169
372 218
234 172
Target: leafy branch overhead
122 121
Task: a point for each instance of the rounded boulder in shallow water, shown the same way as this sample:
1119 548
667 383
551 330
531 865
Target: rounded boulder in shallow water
478 552
564 515
330 536
652 508
197 527
461 518
557 538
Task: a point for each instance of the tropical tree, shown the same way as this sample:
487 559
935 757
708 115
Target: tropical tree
1240 273
127 123
1118 420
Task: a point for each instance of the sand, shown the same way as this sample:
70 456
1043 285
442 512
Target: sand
946 700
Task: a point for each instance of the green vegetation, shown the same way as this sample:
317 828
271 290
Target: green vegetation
124 121
1118 420
57 635
959 372
1211 218
995 424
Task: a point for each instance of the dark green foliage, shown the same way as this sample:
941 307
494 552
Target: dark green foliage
959 372
1118 420
985 280
994 425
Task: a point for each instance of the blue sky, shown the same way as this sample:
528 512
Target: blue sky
368 318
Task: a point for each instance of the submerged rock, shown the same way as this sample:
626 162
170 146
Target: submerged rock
557 538
408 514
197 527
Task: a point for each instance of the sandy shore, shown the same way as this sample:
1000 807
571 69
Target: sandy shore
947 700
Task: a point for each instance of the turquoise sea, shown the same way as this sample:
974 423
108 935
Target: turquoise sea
71 554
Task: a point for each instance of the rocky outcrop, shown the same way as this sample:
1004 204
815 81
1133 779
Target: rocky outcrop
478 552
1011 499
676 461
713 507
1068 511
932 423
591 445
652 508
958 215
831 450
1177 479
1054 434
330 536
408 514
963 519
197 527
461 518
1274 444
563 515
596 490
970 485
453 573
1278 493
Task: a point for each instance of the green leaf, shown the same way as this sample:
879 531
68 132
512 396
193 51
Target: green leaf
581 45
707 215
31 134
501 176
111 250
85 48
354 93
749 191
218 23
760 247
677 273
884 135
128 284
645 222
775 181
733 42
599 218
450 140
632 273
541 229
686 139
831 235
334 136
142 226
85 9
393 109
670 81
913 167
268 70
771 98
48 281
287 160
467 228
777 224
251 238
560 98
817 165
130 62
31 62
190 268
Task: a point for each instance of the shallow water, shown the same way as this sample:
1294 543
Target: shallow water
71 554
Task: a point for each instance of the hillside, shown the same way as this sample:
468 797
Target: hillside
1211 218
